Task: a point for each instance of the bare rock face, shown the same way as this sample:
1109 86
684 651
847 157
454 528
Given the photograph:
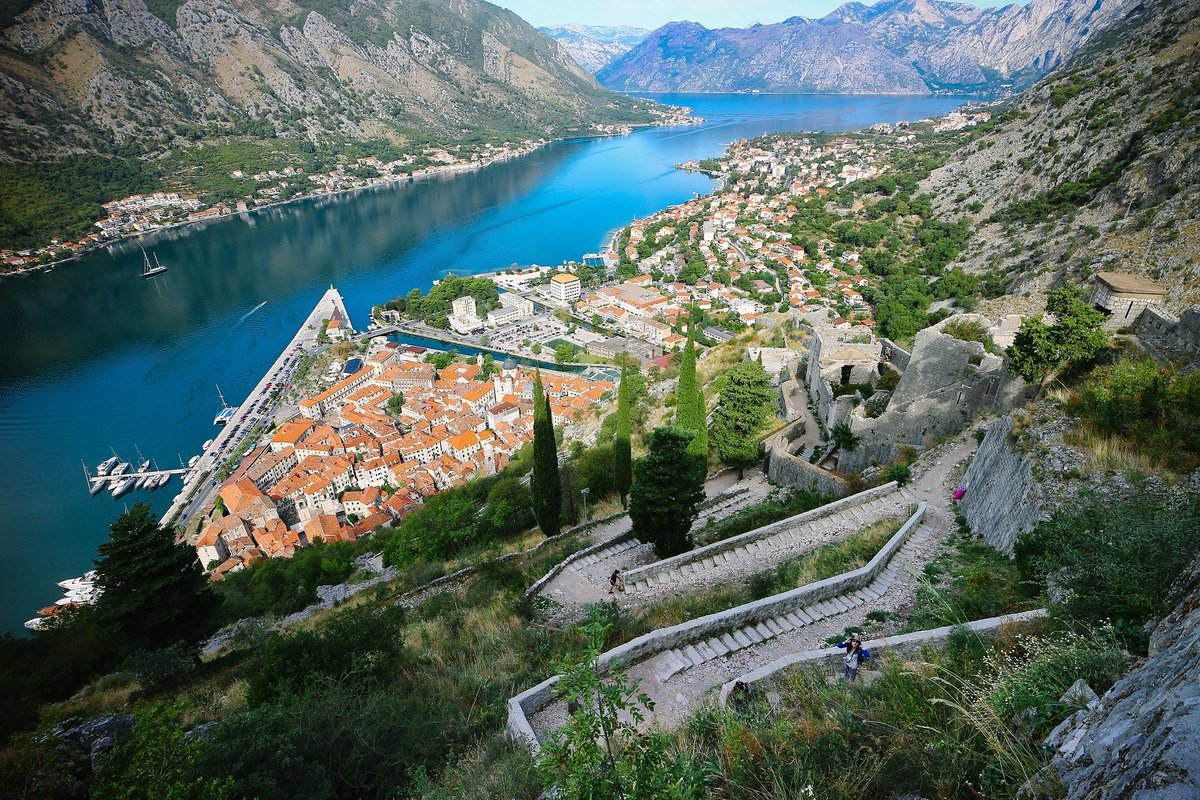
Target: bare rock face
1141 741
79 75
903 46
1095 168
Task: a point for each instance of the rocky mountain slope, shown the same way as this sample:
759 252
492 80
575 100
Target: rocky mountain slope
901 46
105 75
1094 168
595 46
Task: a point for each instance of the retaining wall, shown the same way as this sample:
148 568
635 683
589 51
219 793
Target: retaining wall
1000 502
533 700
733 543
905 644
1169 337
791 470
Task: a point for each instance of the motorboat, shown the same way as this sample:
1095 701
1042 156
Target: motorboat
86 579
122 486
105 466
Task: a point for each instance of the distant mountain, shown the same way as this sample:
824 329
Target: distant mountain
901 46
1097 167
82 76
595 46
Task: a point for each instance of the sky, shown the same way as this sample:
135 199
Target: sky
654 13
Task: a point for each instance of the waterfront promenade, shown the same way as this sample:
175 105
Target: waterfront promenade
260 407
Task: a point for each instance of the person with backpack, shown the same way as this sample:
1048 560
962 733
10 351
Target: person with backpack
852 660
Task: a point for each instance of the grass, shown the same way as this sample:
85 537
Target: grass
964 723
970 580
780 505
1106 453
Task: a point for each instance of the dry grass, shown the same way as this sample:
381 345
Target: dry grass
110 694
1104 453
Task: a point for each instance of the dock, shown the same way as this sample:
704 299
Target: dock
253 411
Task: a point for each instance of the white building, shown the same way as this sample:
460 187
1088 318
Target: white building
512 308
565 287
464 318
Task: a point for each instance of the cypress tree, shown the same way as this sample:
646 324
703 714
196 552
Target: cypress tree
663 500
690 410
155 592
623 446
544 484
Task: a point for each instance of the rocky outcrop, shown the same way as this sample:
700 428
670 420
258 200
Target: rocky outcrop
1141 741
894 46
947 383
79 76
1001 500
1096 168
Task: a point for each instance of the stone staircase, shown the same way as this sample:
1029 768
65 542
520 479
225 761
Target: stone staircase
766 547
672 662
604 554
729 503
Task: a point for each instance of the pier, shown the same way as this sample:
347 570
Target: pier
155 473
257 409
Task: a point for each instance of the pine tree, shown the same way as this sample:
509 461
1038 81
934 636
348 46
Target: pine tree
623 445
690 410
666 492
744 409
155 592
544 483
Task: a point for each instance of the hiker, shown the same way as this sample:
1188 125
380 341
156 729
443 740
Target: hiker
855 655
614 582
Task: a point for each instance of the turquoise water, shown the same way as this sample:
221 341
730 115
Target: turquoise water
95 357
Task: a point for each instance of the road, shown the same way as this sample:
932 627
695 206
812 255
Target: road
259 408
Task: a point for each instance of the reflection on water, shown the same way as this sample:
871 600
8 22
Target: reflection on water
94 356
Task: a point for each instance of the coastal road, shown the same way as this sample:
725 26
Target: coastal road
259 407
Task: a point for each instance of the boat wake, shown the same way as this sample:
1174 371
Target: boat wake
246 316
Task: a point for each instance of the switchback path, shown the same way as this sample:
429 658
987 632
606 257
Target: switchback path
678 680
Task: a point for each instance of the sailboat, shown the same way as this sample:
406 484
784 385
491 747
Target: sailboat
227 411
149 271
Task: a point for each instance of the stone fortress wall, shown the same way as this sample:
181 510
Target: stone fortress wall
946 383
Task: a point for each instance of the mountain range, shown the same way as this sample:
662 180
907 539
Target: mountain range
893 46
595 46
80 76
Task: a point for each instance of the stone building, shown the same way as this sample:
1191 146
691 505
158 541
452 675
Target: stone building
1123 296
838 358
946 383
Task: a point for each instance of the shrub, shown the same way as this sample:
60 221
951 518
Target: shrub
1117 557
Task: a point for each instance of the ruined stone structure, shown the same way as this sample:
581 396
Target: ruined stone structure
947 383
840 357
788 469
1123 297
1171 338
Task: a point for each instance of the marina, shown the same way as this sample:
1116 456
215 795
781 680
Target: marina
140 358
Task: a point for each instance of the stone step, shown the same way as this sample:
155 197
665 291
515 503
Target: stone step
730 643
693 655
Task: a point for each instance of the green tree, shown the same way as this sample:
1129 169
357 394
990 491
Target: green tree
564 353
745 407
598 754
690 410
1040 352
843 437
666 491
623 442
155 592
395 403
545 483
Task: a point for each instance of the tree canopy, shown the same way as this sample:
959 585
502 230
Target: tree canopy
545 483
623 442
690 410
666 491
1040 351
744 409
155 592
